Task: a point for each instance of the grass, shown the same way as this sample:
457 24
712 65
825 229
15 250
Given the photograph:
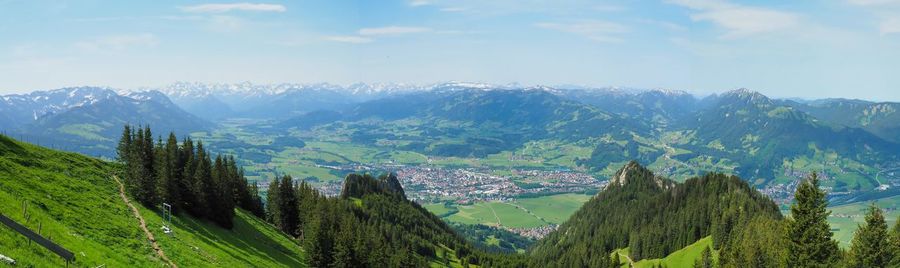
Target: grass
495 214
554 208
523 213
684 257
438 209
86 131
76 204
844 219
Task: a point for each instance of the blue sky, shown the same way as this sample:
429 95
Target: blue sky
809 49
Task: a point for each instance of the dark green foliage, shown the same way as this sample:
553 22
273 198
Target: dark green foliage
185 178
360 185
895 243
477 234
870 246
653 217
705 260
289 208
370 225
760 243
810 242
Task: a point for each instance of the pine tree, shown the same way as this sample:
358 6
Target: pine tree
186 185
171 181
870 246
809 233
895 243
273 211
163 168
124 145
287 203
201 183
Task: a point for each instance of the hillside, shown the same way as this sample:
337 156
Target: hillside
879 118
653 217
764 139
470 122
76 203
372 224
89 119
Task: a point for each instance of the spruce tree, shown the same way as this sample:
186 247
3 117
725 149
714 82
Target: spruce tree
186 185
809 235
273 211
201 183
287 203
895 243
171 180
124 144
870 246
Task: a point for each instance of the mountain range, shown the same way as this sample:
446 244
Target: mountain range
89 119
677 134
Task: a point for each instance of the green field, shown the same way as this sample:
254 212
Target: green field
844 219
523 213
554 208
75 203
495 214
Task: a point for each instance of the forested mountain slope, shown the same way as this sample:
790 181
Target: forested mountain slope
653 217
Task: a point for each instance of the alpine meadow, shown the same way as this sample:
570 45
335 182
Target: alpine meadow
450 133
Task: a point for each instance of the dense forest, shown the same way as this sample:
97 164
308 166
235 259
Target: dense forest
653 217
371 224
185 177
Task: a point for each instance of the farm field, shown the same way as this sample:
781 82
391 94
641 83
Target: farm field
844 219
522 213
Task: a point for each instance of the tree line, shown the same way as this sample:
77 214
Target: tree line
371 224
184 176
805 238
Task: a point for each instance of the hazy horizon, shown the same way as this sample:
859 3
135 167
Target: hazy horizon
810 50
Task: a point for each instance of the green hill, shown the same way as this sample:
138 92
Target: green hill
653 217
75 202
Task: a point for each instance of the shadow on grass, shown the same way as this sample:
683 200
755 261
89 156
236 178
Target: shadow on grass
244 238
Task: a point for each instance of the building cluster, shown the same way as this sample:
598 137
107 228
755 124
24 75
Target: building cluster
470 185
534 233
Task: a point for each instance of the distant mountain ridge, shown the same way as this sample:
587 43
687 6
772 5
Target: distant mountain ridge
88 119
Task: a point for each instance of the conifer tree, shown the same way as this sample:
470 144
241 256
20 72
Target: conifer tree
287 203
173 171
201 181
273 211
124 145
705 260
809 235
895 243
870 246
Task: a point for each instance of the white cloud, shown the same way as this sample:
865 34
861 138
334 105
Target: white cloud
392 30
608 8
601 31
118 42
454 9
739 20
890 26
353 39
418 3
222 8
874 2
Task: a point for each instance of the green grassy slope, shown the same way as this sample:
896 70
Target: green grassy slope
684 257
76 203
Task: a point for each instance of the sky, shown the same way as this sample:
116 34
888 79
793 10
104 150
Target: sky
805 49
